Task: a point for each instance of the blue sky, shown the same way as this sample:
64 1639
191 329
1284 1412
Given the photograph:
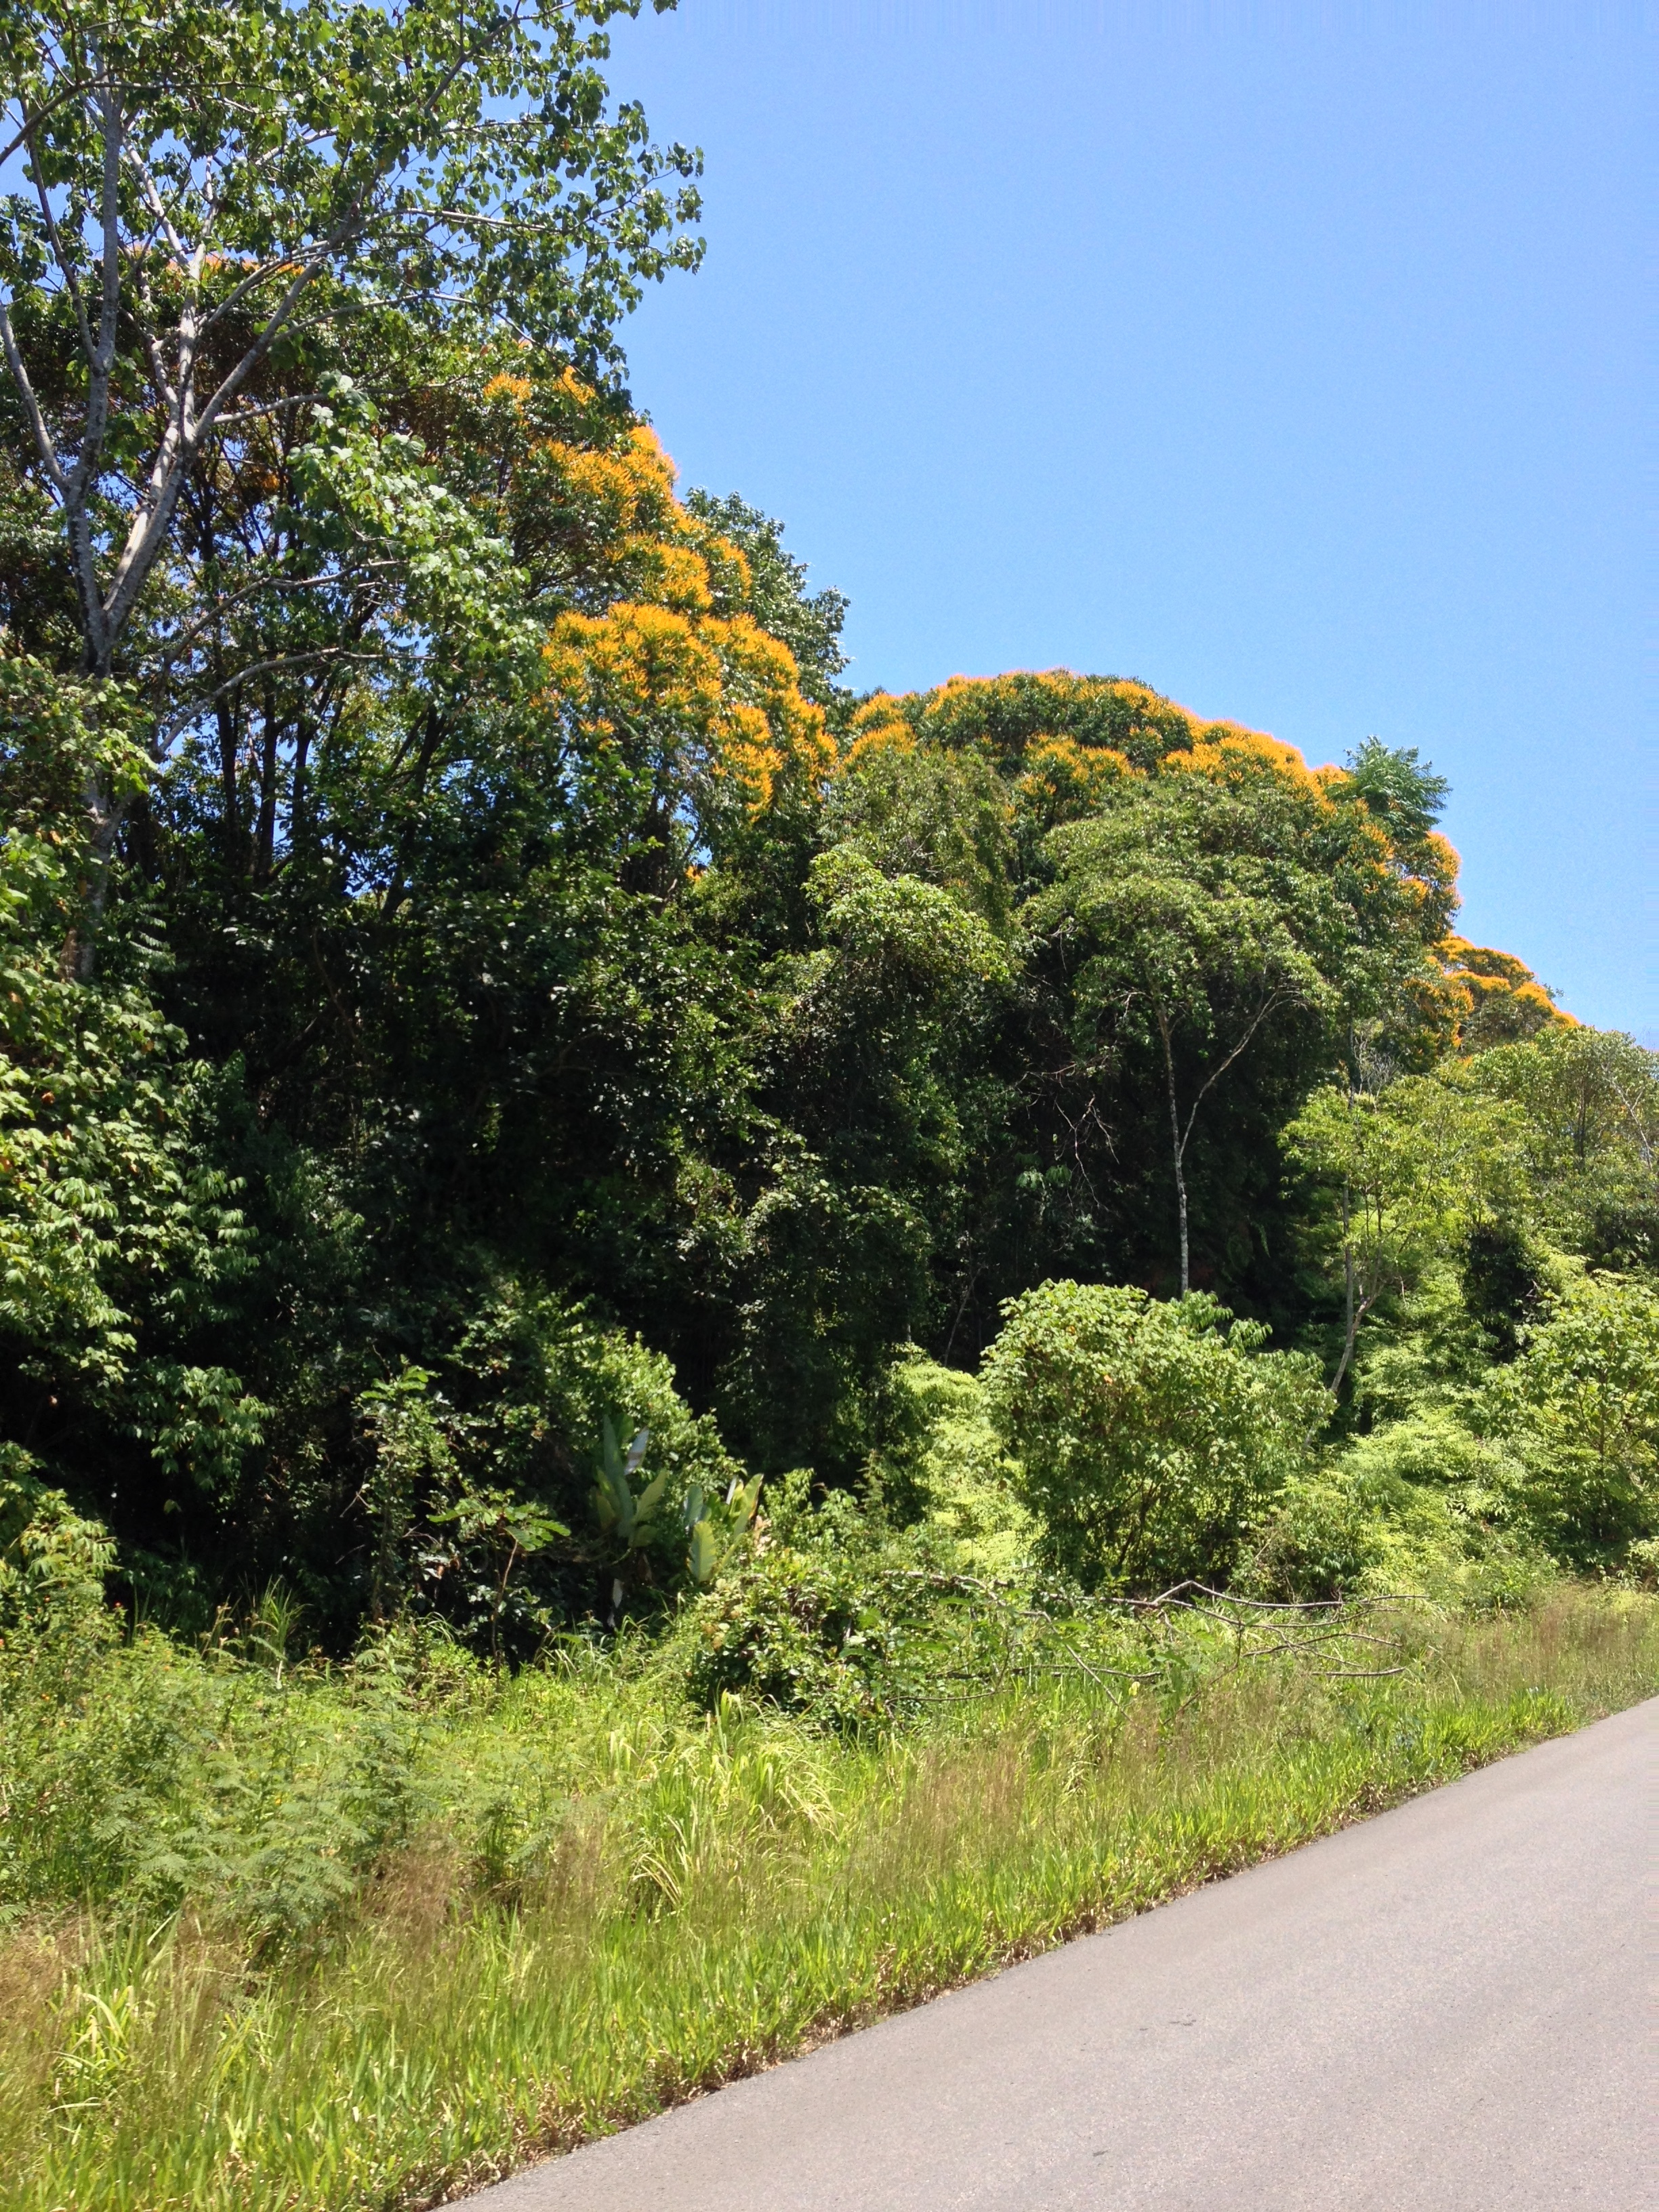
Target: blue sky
1293 361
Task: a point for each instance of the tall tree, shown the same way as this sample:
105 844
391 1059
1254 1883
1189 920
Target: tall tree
1407 1174
1229 903
209 188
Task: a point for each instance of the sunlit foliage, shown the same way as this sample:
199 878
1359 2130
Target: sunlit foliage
477 973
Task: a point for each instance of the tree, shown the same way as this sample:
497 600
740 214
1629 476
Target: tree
808 623
881 1100
1582 1403
1407 1172
1232 901
210 189
1500 1000
119 1241
938 815
1587 1107
1178 936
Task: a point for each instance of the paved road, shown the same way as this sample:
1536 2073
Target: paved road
1446 2010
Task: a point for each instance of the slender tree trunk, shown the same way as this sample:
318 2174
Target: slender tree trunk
264 852
1356 1308
1347 1273
296 797
1347 1354
103 810
228 738
1178 1148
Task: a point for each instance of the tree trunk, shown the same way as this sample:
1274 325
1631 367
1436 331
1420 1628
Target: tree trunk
229 738
264 841
1178 1148
105 813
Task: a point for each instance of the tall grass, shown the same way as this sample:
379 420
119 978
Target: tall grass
597 1904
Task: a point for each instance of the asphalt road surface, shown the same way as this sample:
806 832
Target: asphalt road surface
1445 2009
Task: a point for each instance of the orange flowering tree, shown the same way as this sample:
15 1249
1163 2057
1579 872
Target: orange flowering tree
1494 998
654 674
1191 889
567 965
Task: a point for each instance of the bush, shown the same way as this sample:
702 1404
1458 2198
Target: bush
157 1776
1421 1505
1581 1408
1150 1438
481 1492
811 1617
943 1466
52 1563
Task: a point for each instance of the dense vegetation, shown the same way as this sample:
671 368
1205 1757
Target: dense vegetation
539 1131
453 1915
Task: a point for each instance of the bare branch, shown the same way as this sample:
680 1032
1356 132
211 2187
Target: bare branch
20 377
1275 999
334 655
101 359
255 410
71 281
147 186
181 643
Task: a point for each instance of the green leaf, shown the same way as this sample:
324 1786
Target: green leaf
703 1557
651 1497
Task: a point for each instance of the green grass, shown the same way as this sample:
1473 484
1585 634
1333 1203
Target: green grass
596 1903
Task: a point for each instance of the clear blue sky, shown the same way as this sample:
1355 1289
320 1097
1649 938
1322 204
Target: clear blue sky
1291 361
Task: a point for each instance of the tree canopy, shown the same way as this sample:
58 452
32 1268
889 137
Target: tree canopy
476 974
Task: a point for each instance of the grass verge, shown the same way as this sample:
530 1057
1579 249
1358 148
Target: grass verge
618 1905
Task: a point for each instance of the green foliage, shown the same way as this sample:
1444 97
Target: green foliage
475 989
803 1623
1228 909
1503 1274
53 1563
1405 1175
158 1774
1580 1406
515 1535
118 1240
942 1465
469 973
1585 1106
602 1902
940 816
1422 1504
212 195
1150 1438
621 1512
714 1526
903 949
808 623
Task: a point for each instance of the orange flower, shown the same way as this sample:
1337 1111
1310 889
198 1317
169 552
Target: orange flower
1227 750
503 386
1498 999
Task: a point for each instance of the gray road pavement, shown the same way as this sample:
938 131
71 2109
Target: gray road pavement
1446 2010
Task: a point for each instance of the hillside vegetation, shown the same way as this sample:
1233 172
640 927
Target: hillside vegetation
443 1917
638 1290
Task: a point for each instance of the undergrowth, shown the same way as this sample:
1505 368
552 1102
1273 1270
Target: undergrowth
366 1937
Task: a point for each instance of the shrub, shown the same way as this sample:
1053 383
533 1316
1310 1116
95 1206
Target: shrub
1150 1438
1581 1408
52 1562
1421 1505
943 1466
158 1776
802 1619
482 1485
